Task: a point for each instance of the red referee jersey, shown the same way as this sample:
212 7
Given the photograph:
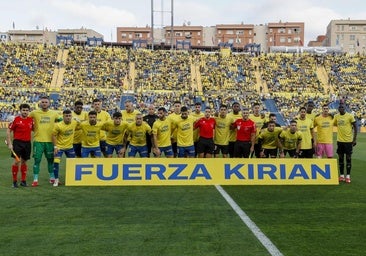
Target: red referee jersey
244 129
206 126
22 128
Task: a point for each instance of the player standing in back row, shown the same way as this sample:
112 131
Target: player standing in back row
324 131
346 140
44 121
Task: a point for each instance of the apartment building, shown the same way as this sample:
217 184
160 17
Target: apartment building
235 35
127 35
348 34
193 34
285 34
50 37
238 35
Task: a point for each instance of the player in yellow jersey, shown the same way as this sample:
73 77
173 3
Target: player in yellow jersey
306 126
222 133
137 134
175 116
197 114
102 117
129 115
62 137
346 140
44 120
290 141
234 115
259 121
80 116
161 135
268 140
116 130
184 130
324 131
90 145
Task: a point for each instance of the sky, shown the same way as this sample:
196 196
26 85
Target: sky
104 16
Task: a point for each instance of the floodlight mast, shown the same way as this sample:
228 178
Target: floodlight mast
162 21
171 24
152 24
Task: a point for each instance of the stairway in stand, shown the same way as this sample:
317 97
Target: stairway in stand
258 75
323 77
196 82
59 71
129 79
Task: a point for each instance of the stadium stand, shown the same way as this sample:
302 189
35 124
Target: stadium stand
284 81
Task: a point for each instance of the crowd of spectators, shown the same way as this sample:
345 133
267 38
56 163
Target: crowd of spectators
96 67
347 74
163 70
233 73
285 72
162 77
29 66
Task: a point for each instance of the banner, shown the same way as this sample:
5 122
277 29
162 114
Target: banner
199 171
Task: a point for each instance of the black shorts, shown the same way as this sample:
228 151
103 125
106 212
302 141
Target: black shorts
257 150
242 149
231 148
224 149
306 153
344 148
175 148
270 153
22 148
205 146
290 152
77 149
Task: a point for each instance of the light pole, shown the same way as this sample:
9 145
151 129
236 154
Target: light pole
171 23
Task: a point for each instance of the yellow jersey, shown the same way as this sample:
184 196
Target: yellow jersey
115 133
259 122
102 117
290 140
196 132
91 134
233 118
184 129
82 117
174 117
222 130
64 134
129 117
324 129
137 134
305 126
270 139
163 131
44 122
345 127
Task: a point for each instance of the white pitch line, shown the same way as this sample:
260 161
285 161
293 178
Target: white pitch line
271 248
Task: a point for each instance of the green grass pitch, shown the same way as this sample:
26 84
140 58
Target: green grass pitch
194 220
